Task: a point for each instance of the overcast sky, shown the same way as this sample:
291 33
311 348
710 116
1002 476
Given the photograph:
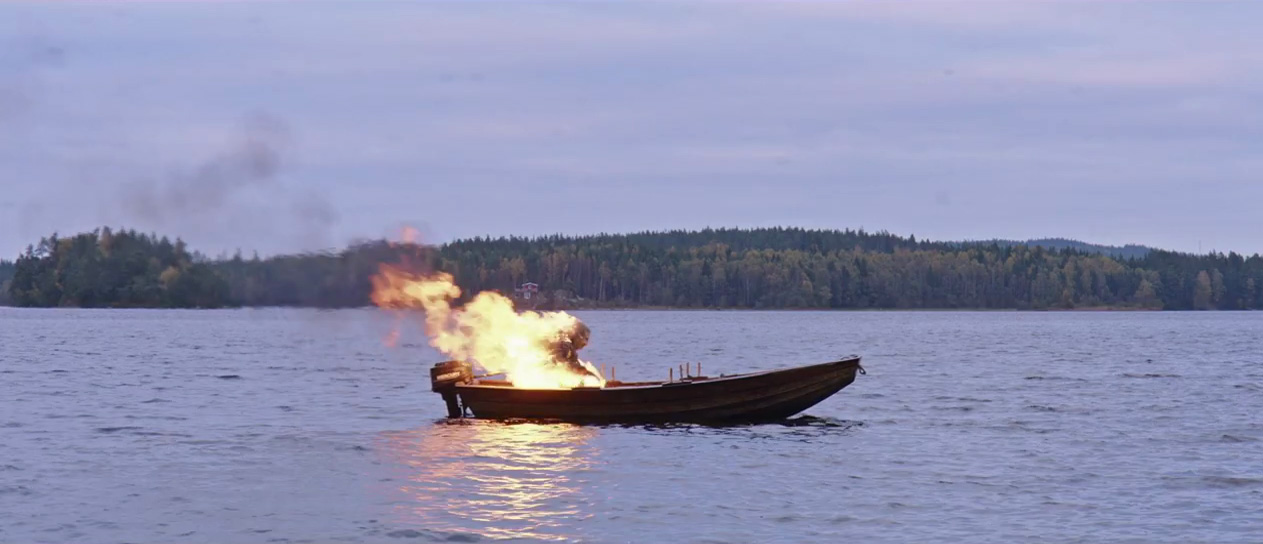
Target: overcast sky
281 127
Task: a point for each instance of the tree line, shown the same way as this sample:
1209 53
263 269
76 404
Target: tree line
6 275
711 268
799 268
121 269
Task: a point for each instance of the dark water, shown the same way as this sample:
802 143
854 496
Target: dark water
289 426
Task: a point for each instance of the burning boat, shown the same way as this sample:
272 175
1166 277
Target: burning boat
758 396
531 366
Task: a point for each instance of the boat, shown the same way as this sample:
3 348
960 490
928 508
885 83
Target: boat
740 398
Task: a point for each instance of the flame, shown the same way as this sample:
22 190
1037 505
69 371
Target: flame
487 331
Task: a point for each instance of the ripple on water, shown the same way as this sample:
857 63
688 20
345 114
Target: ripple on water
117 429
1236 439
16 490
1231 481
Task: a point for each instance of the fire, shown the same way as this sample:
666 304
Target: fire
488 331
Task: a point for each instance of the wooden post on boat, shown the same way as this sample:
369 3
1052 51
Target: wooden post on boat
612 378
670 375
699 369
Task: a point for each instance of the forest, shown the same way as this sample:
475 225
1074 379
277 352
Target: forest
113 269
763 268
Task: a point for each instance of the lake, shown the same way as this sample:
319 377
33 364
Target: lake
278 425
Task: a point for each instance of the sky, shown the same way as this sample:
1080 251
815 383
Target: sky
279 127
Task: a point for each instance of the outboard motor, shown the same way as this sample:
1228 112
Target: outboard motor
443 380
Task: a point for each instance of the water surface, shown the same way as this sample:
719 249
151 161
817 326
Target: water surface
299 425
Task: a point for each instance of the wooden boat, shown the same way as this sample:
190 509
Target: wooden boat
758 396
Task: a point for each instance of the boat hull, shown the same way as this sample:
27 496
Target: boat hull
762 396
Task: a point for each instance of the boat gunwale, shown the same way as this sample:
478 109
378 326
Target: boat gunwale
655 385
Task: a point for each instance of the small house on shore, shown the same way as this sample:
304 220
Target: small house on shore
526 291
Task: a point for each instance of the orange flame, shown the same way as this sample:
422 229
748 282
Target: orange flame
487 331
410 235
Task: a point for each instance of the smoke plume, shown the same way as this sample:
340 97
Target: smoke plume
238 188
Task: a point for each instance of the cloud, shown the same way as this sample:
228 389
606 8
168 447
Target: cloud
643 115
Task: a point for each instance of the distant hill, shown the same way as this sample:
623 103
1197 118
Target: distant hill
735 239
1129 251
785 238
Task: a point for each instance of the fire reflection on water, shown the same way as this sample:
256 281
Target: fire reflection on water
495 480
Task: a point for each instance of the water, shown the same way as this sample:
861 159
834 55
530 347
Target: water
298 425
